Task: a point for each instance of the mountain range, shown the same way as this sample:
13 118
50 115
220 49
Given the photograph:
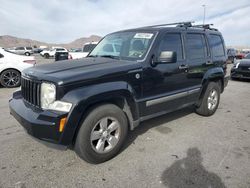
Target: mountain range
7 41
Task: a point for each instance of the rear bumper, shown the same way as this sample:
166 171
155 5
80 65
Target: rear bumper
40 124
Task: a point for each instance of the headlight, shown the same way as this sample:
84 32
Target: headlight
48 94
237 65
48 99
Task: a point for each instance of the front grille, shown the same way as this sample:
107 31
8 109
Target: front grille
31 91
245 68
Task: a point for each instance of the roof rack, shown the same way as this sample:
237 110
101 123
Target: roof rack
205 26
183 24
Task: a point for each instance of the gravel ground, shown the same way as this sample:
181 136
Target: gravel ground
181 149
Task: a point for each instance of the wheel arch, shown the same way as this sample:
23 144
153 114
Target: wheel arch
10 69
86 99
212 75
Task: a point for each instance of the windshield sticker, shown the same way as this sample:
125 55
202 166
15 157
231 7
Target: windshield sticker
143 35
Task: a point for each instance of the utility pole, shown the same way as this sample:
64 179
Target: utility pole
204 14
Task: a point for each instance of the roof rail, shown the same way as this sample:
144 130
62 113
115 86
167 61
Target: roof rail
183 24
205 26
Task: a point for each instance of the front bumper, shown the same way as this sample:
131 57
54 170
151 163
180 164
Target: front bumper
236 73
41 124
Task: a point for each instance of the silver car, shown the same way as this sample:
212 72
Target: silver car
22 50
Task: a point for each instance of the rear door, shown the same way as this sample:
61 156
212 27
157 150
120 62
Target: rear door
198 60
20 50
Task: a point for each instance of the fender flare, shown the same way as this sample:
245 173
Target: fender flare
85 98
215 74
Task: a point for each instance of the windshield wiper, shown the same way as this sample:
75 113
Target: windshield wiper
92 56
110 56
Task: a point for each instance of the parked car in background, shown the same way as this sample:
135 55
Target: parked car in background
51 52
37 50
247 56
241 69
22 50
231 53
88 47
75 50
240 55
11 66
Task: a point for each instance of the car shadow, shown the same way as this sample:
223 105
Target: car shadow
240 80
155 122
190 173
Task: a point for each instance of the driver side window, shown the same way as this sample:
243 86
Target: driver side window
172 42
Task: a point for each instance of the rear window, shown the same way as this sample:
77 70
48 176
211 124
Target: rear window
60 49
89 47
216 44
19 48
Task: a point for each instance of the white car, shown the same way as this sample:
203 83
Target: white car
52 52
88 47
11 66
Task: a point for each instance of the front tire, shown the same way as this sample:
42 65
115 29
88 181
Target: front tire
102 134
210 100
10 78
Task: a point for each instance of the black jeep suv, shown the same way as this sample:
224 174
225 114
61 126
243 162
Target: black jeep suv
129 77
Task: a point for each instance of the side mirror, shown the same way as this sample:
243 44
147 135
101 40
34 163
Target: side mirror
167 57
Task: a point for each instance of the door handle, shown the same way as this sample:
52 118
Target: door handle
209 62
181 67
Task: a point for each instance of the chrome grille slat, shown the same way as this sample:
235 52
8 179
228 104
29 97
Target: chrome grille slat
31 91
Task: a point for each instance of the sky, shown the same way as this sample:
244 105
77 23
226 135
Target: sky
62 21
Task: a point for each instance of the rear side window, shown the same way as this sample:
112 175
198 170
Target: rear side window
20 48
196 46
1 55
59 49
28 48
172 42
216 44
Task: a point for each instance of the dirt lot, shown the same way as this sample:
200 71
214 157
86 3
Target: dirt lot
181 149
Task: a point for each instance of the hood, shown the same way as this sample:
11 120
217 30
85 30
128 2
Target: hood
71 71
244 63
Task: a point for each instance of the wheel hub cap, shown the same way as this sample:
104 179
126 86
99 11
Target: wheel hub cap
212 99
105 135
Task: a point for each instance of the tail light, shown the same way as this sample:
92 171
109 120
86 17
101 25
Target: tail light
33 62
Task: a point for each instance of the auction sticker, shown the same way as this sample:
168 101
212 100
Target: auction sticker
143 35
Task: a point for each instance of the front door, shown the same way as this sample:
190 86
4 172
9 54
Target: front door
164 85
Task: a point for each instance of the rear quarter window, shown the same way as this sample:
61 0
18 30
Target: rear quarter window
216 44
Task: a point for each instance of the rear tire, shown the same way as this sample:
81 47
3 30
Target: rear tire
10 78
46 56
210 100
27 54
101 134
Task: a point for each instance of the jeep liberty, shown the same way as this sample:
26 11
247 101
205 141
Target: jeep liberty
133 75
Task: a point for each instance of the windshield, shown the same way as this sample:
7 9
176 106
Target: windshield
124 45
